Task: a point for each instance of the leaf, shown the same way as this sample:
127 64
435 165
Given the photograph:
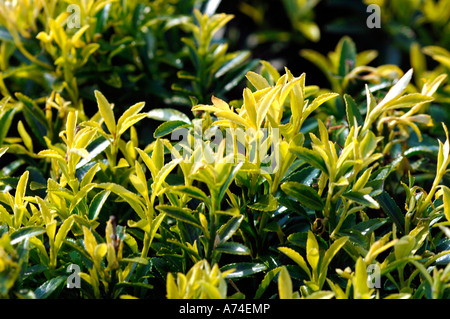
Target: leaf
183 214
168 114
318 101
309 156
363 199
266 281
162 174
232 63
295 256
404 246
32 108
347 59
329 255
62 232
169 127
129 122
131 198
25 233
266 203
21 189
353 115
391 209
233 248
5 123
446 199
106 111
397 89
284 284
190 191
229 180
243 269
312 252
306 195
95 148
227 230
97 204
50 286
257 80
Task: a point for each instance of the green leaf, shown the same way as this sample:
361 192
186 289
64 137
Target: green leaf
353 115
311 157
233 248
168 114
95 148
32 108
243 269
228 181
190 191
168 127
266 203
25 233
306 195
50 286
5 123
232 64
329 255
363 199
131 198
347 59
266 281
183 214
227 230
97 204
391 209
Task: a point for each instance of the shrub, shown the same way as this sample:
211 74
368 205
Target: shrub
290 190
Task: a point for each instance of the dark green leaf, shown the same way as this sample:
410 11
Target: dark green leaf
391 209
169 127
5 123
306 195
347 59
226 231
48 287
183 214
233 248
353 115
310 156
361 198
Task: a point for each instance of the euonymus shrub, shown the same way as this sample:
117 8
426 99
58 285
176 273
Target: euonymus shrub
256 191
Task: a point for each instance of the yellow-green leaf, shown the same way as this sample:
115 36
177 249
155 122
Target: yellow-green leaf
295 256
446 196
27 141
106 111
62 232
21 189
284 284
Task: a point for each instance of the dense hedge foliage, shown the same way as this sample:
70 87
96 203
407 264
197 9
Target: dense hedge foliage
199 149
